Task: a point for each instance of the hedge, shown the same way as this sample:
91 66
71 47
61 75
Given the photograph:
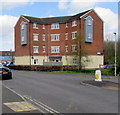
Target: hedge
43 67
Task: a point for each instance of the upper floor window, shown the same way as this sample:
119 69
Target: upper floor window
55 26
35 49
43 49
35 37
43 37
89 22
35 25
74 48
55 49
55 37
74 23
89 35
66 36
74 35
66 25
22 26
23 39
43 26
66 48
88 29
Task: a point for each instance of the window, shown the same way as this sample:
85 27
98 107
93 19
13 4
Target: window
74 23
43 26
43 37
89 22
55 37
66 36
55 26
35 49
74 48
74 61
35 61
74 35
35 25
55 49
23 39
88 29
90 36
66 48
66 25
22 26
43 49
35 37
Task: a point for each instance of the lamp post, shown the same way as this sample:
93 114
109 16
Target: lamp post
115 53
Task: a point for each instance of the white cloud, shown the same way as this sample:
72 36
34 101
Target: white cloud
7 23
109 17
80 5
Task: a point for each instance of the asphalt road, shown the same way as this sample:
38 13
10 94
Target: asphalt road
63 92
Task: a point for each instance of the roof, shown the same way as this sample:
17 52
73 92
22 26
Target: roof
7 53
50 20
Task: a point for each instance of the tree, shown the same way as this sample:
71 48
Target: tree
81 51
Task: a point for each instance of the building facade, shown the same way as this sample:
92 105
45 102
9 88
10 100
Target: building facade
59 40
6 56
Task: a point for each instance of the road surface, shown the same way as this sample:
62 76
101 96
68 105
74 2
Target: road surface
62 92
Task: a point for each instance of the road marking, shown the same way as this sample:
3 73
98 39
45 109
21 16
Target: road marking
20 106
40 106
43 106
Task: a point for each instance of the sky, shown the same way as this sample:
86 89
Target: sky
10 12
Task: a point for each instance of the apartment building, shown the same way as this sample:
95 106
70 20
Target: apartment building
56 40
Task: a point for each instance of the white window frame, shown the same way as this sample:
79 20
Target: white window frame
43 27
35 25
43 37
36 61
43 49
66 25
55 26
55 49
74 48
66 36
74 35
74 23
66 48
35 37
55 37
37 47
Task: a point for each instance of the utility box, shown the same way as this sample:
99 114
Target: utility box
98 75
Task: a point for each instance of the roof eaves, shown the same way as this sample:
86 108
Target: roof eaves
25 18
86 13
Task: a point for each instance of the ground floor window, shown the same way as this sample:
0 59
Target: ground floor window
35 61
74 61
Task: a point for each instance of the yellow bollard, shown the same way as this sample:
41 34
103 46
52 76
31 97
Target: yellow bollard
98 75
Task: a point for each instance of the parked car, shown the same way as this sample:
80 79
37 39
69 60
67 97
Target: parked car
5 73
10 63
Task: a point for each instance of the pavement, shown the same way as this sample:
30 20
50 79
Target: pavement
13 103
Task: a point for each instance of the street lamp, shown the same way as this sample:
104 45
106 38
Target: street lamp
115 53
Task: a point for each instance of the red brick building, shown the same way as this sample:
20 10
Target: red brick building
56 40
